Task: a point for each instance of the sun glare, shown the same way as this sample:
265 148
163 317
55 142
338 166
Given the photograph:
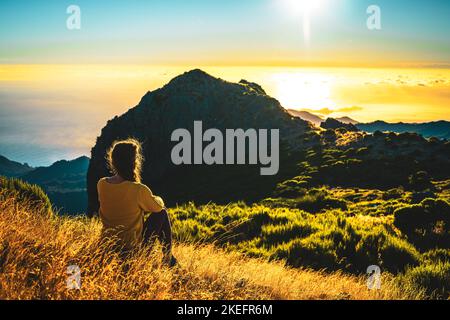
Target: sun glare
303 7
304 91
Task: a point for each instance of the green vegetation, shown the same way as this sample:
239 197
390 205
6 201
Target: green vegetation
426 224
333 229
344 202
435 278
25 192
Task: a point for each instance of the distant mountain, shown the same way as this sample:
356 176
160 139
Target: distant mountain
64 182
439 129
347 120
59 171
307 116
11 168
316 119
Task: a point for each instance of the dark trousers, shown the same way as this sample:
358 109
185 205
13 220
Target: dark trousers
157 227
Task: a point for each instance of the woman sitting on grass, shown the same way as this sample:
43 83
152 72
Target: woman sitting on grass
124 200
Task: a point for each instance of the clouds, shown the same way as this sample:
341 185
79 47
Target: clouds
424 78
350 109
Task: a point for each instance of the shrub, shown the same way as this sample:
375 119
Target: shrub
420 181
249 228
418 196
276 234
378 247
311 253
22 191
397 254
313 201
317 200
367 250
440 209
362 151
409 219
329 240
191 231
333 247
437 255
426 224
393 194
434 278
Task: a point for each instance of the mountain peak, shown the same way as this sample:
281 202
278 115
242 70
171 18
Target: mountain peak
195 75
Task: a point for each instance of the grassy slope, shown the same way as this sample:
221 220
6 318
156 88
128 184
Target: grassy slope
36 249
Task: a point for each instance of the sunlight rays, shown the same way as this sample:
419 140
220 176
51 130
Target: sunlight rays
304 9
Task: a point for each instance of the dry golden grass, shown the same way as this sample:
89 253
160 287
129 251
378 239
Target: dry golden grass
36 250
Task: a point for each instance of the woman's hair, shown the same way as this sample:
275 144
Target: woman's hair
125 159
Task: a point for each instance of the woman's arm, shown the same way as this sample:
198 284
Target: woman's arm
148 202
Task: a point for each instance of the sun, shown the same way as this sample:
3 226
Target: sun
303 7
304 91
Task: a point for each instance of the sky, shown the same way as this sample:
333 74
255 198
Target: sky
232 32
58 87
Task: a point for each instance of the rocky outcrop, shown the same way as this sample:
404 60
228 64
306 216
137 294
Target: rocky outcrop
334 124
197 96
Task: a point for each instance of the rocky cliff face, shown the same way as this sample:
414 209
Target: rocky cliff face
194 96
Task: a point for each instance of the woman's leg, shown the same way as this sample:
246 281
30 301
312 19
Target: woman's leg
157 226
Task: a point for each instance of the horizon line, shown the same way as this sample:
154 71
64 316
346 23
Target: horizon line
277 64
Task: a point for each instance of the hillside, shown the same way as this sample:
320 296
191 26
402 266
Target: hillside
65 183
342 200
439 129
58 171
11 168
34 262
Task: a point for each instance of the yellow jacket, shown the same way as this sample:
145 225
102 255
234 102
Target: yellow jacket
122 208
